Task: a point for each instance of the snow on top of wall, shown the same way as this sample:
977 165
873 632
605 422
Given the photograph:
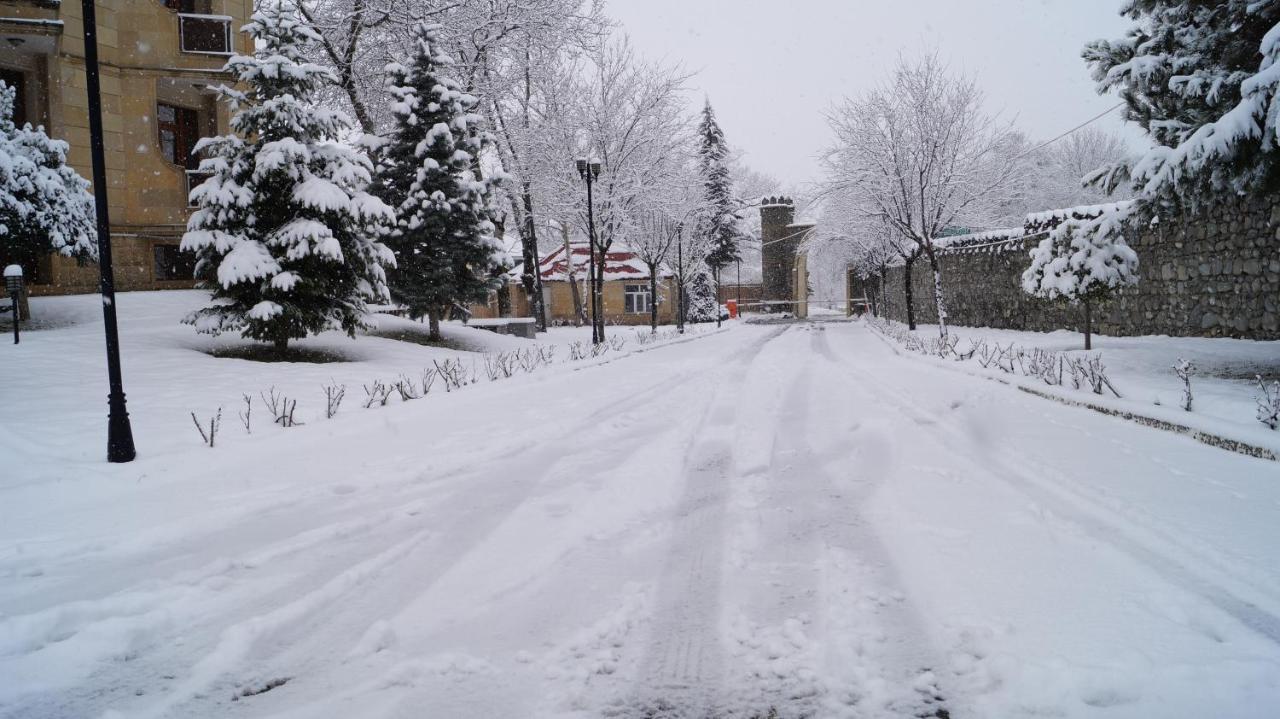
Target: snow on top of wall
986 237
1053 217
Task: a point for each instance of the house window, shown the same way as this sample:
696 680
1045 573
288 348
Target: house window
173 264
18 81
636 298
179 131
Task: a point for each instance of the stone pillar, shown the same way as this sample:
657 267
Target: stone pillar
777 256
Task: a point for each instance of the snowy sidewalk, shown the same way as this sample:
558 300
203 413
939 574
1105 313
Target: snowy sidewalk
774 519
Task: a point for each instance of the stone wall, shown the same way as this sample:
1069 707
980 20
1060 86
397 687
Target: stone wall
1211 274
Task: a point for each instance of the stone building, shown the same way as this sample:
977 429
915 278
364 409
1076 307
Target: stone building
784 268
158 59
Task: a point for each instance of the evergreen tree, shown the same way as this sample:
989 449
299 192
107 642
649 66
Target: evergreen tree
45 206
1202 79
701 296
428 170
285 235
720 219
1084 259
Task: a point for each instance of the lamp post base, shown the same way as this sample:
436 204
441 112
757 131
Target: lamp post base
119 433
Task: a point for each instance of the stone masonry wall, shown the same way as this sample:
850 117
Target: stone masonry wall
1212 274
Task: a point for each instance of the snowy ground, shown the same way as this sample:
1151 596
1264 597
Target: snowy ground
770 521
1141 368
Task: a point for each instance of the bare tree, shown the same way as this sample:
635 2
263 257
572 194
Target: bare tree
628 113
921 154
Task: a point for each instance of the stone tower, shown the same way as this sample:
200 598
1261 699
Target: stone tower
783 277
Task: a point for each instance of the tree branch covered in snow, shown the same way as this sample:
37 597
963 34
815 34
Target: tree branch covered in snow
1202 79
45 206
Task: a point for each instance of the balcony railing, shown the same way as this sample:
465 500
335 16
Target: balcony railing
194 179
205 34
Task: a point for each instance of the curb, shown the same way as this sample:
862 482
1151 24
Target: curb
1213 440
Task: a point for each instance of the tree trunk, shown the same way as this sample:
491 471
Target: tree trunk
433 318
531 278
281 344
1088 326
871 293
906 286
883 284
938 300
653 298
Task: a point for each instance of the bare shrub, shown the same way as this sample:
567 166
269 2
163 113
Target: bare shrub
214 423
377 393
333 394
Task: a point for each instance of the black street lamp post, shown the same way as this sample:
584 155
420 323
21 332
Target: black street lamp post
119 434
589 170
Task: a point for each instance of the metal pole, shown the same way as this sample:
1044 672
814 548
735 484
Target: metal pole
680 280
597 326
14 298
739 281
119 433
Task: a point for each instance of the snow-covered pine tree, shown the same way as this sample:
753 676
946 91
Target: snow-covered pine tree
443 238
720 222
1084 259
1202 78
286 234
701 296
45 206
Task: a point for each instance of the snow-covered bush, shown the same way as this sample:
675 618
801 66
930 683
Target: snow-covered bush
285 235
1084 258
1185 370
428 169
45 206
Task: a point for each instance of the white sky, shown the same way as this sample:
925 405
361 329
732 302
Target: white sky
772 67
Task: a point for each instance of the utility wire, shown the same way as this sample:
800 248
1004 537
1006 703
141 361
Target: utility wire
1081 126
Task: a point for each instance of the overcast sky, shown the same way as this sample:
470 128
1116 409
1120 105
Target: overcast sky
772 67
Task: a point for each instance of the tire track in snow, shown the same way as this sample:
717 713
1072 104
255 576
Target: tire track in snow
1080 511
682 669
880 659
401 508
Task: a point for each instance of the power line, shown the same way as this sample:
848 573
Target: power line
1081 126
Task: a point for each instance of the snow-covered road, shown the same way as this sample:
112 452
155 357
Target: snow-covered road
773 521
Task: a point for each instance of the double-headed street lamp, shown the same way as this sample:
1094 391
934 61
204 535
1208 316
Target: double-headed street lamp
589 170
119 433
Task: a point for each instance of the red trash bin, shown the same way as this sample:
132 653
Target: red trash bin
732 305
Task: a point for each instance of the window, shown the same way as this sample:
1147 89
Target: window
18 81
636 298
179 130
173 264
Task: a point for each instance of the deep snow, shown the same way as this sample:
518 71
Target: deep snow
786 518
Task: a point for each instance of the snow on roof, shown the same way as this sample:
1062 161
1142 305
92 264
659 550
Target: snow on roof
620 264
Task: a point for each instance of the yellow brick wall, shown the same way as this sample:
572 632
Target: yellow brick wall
138 49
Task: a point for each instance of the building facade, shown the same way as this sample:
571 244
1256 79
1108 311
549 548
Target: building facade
627 293
158 60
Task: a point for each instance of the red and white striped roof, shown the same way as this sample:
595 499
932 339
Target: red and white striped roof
620 264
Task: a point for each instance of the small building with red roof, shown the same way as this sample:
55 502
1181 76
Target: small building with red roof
629 294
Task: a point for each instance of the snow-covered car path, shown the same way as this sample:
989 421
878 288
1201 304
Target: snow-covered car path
774 521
